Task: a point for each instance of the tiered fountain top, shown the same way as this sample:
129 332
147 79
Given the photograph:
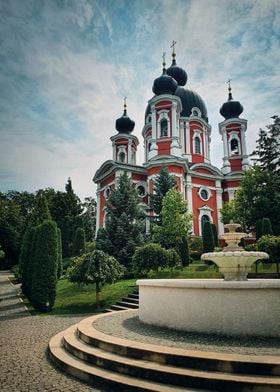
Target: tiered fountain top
234 262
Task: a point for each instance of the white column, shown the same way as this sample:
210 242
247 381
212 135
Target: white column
189 187
129 152
219 202
245 162
188 142
97 209
114 151
154 148
226 165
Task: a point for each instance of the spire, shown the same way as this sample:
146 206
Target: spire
231 108
178 73
173 52
124 124
124 106
229 90
163 63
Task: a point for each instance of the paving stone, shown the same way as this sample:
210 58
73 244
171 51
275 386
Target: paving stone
24 339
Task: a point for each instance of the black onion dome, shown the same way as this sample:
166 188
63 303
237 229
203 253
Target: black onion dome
124 124
165 84
177 73
191 99
231 108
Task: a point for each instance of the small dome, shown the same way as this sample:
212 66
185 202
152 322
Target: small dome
231 108
165 84
177 73
124 124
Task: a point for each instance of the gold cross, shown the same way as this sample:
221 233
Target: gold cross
173 46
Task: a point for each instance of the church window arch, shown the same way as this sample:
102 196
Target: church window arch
122 157
234 148
163 127
197 145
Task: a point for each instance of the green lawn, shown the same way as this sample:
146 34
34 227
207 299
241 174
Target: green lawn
72 299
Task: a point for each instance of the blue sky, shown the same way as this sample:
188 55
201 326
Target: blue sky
67 64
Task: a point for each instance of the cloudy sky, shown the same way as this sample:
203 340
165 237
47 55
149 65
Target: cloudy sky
67 64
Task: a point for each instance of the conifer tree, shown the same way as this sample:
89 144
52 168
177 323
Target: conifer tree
39 215
266 227
259 227
79 244
59 254
44 276
215 235
162 183
124 222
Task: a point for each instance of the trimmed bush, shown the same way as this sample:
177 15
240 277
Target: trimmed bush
45 266
79 244
271 245
259 227
152 257
183 251
215 235
95 267
59 254
266 227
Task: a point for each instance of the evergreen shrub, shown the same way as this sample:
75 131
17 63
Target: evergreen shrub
45 266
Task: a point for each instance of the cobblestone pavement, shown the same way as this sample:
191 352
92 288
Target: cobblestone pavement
24 364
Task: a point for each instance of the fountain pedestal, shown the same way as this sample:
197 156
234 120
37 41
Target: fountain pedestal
233 306
212 305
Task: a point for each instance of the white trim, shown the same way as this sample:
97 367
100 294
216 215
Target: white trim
205 210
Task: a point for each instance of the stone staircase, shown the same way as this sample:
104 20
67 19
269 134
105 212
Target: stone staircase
129 302
124 365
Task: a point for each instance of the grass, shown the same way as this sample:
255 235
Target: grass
74 299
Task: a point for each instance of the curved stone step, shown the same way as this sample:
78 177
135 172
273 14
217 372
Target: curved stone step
203 360
131 300
157 372
98 376
127 304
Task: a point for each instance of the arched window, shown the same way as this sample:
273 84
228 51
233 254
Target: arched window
122 157
163 127
197 147
234 148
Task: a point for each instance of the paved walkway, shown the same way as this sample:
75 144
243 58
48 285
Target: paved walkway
24 366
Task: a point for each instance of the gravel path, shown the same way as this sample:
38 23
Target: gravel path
23 343
126 325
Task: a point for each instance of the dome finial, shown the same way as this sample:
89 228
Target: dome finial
173 52
163 61
229 90
124 106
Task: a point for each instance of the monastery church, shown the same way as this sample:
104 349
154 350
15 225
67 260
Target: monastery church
177 135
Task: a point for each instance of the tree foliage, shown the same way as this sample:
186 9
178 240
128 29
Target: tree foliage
267 152
79 244
176 221
59 254
161 185
45 258
89 217
215 235
271 245
258 197
39 214
152 257
228 212
96 267
124 223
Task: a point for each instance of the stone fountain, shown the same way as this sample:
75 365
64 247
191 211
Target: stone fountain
229 306
234 262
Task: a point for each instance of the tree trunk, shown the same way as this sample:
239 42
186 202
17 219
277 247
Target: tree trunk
97 295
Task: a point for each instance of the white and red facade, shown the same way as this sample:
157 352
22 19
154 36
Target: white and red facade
182 144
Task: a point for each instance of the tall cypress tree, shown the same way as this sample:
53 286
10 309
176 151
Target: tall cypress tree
79 244
45 266
59 254
162 183
124 222
38 216
266 227
215 234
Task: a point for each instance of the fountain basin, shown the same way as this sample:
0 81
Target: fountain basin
212 305
234 265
